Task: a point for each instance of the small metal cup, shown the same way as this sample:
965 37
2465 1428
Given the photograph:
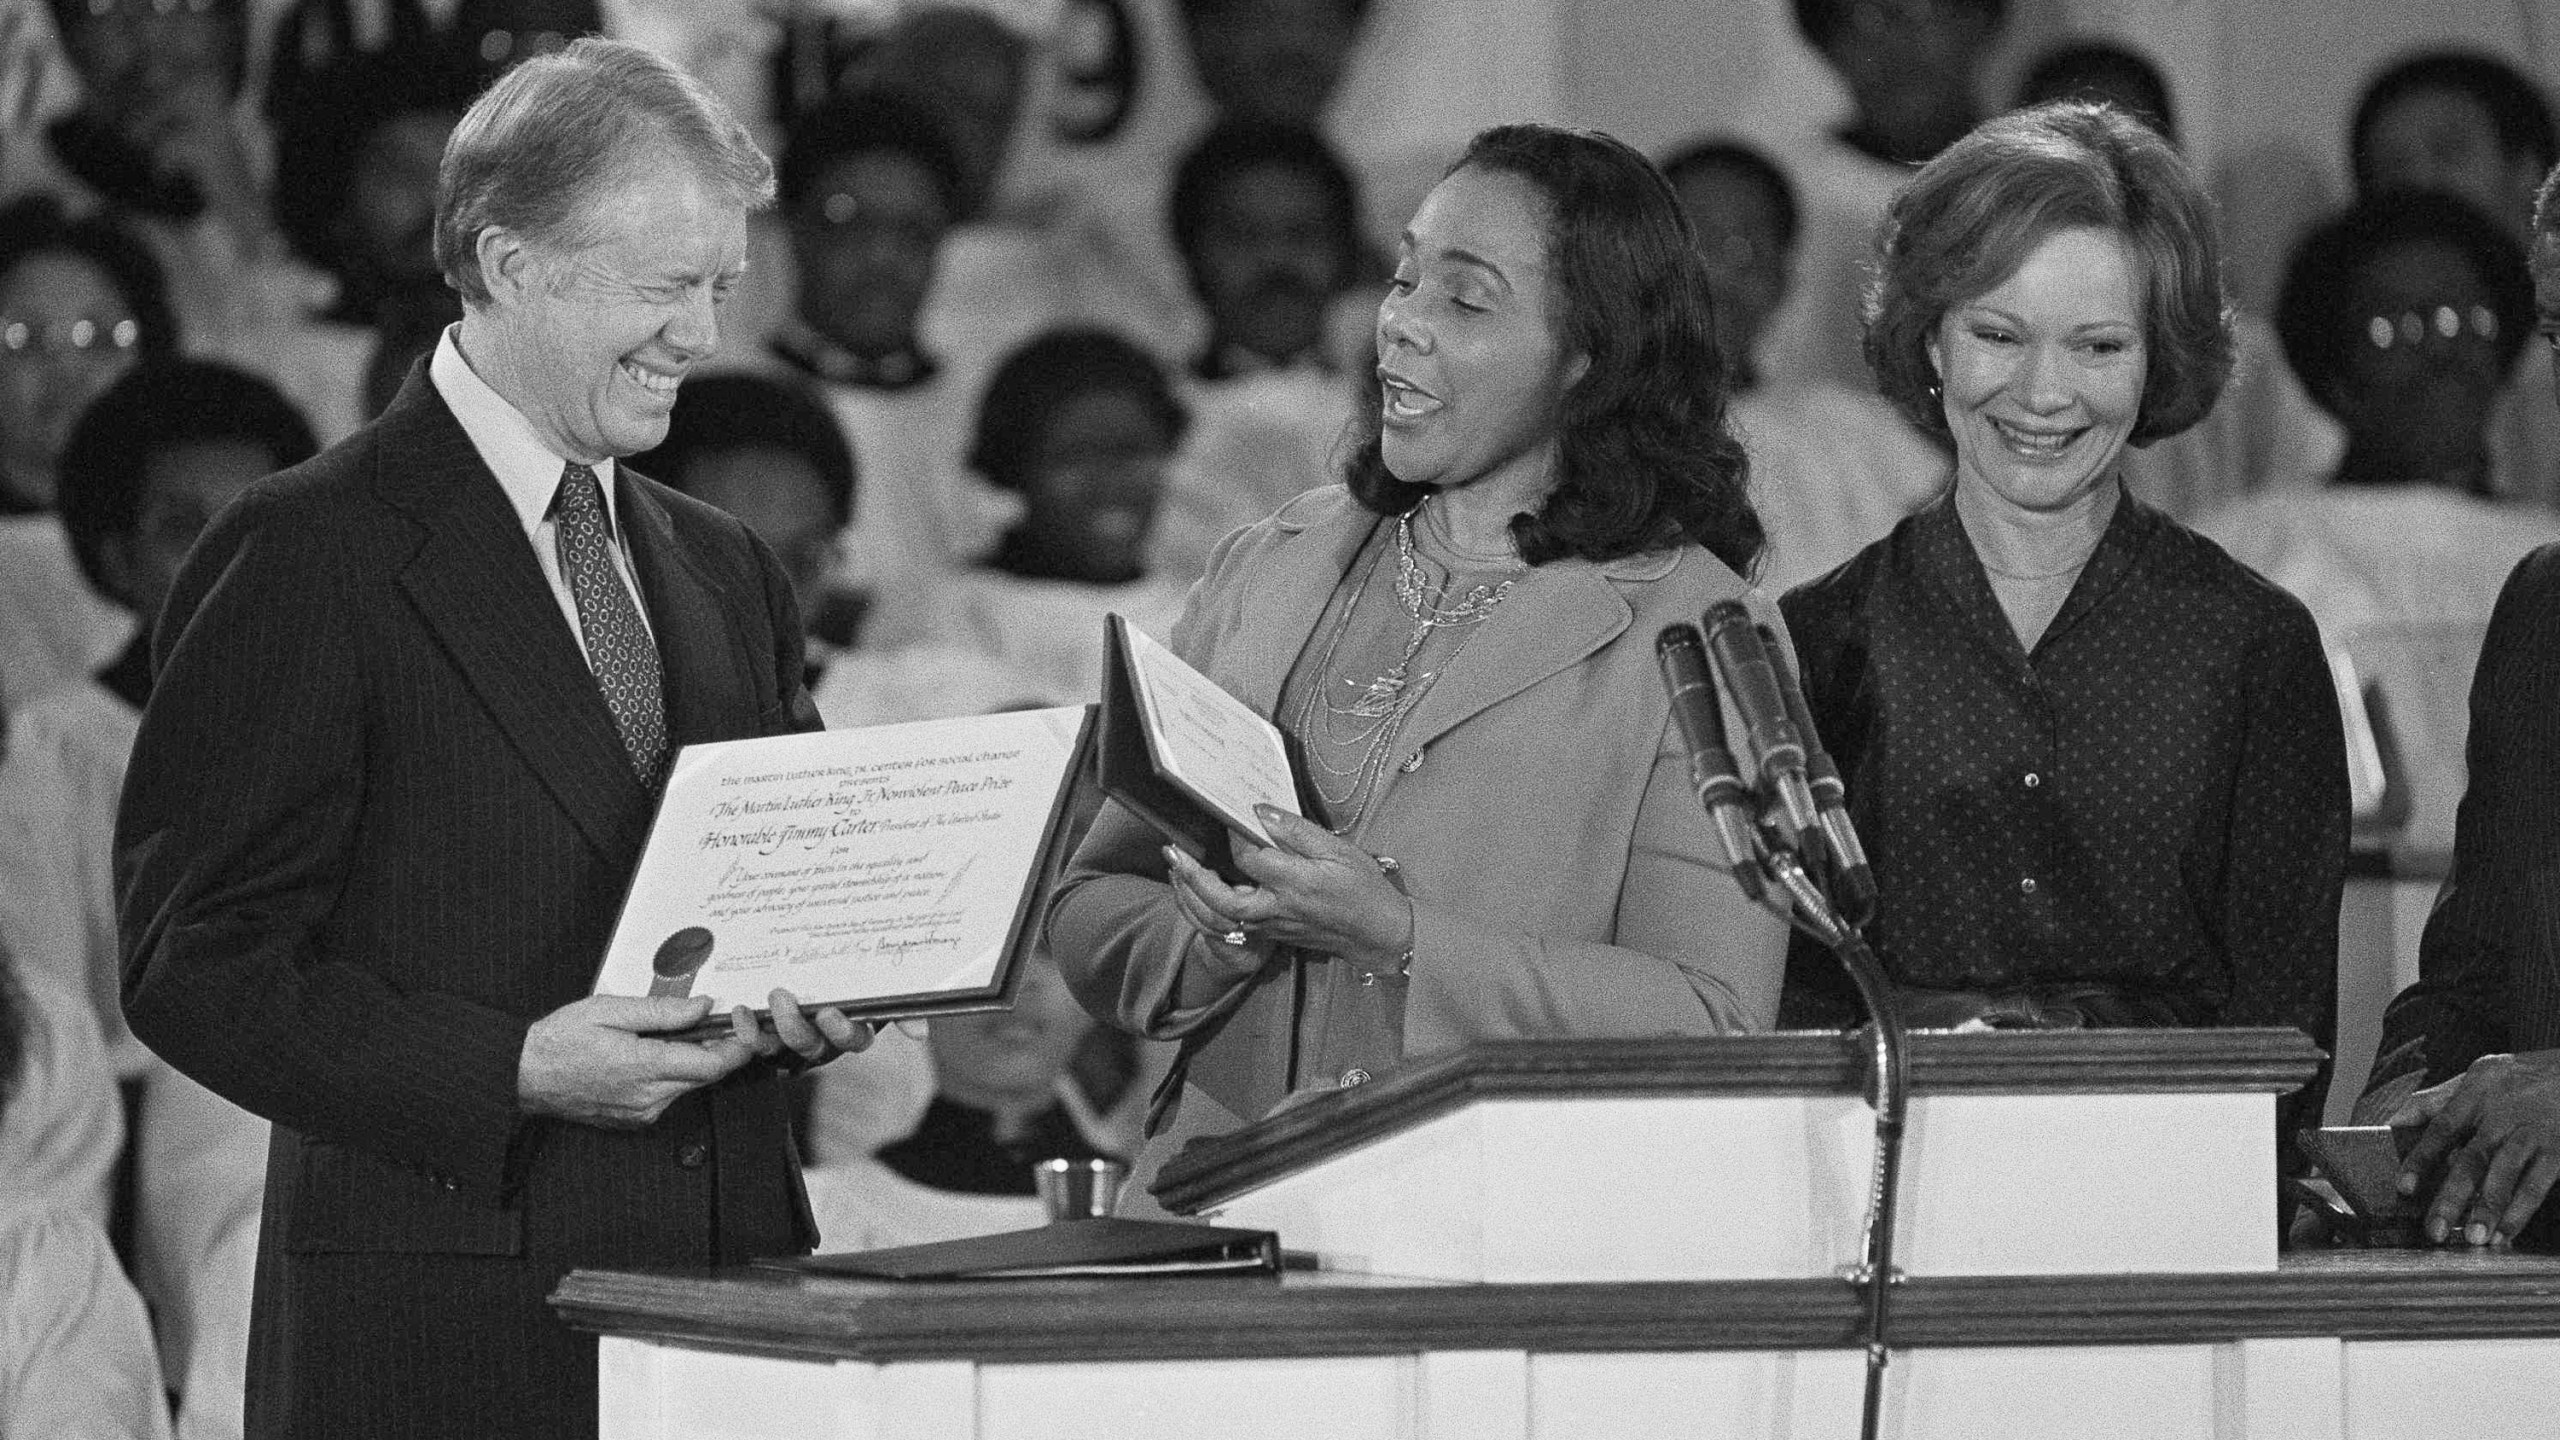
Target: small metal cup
1079 1189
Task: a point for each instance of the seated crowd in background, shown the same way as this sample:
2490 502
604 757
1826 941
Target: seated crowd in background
988 387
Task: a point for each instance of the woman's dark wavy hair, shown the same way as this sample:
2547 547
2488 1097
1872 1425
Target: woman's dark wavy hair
1644 456
1972 216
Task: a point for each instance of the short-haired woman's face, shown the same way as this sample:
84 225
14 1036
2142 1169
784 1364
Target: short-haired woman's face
66 334
1472 368
2042 376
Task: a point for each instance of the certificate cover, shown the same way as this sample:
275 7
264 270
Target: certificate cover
1183 754
890 871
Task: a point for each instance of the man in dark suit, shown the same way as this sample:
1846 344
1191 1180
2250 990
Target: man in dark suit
2481 1028
415 699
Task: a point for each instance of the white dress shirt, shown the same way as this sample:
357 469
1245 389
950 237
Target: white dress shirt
529 472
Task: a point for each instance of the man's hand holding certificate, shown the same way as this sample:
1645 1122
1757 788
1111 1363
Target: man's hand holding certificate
889 871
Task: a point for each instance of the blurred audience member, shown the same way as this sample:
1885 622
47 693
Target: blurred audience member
2264 433
1272 61
77 1361
163 139
1022 256
1267 219
356 173
2109 73
361 141
495 36
768 451
1006 1093
977 69
871 186
149 464
2405 317
1913 72
80 300
1832 468
1081 425
2476 127
2481 1028
2466 123
406 326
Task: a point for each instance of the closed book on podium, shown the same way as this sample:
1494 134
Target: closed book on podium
1100 1247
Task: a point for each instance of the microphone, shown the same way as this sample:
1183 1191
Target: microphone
1683 657
1749 677
1830 797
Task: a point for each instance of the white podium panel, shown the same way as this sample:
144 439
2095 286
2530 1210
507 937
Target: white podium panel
2008 1168
2308 1389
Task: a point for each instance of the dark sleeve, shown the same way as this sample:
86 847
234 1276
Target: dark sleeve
243 799
2288 849
2489 962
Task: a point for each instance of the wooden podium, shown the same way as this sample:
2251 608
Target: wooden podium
1543 1240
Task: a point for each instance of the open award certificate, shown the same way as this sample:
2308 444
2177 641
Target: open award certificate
893 870
1185 756
1207 741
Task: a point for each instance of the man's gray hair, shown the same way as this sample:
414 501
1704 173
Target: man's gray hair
539 146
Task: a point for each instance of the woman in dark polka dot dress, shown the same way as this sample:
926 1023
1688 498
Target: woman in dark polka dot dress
2098 761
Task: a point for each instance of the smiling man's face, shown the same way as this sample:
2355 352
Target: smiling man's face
596 339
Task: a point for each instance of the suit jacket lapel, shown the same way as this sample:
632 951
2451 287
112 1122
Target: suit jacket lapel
1285 609
697 648
477 587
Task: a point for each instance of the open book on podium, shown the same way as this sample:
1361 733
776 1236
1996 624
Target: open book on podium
1183 754
890 871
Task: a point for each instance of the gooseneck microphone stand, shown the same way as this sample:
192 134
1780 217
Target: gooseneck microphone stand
1793 851
1888 1092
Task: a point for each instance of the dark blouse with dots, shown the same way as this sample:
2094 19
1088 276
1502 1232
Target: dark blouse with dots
2150 807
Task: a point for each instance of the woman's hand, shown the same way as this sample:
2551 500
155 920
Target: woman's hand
1311 889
